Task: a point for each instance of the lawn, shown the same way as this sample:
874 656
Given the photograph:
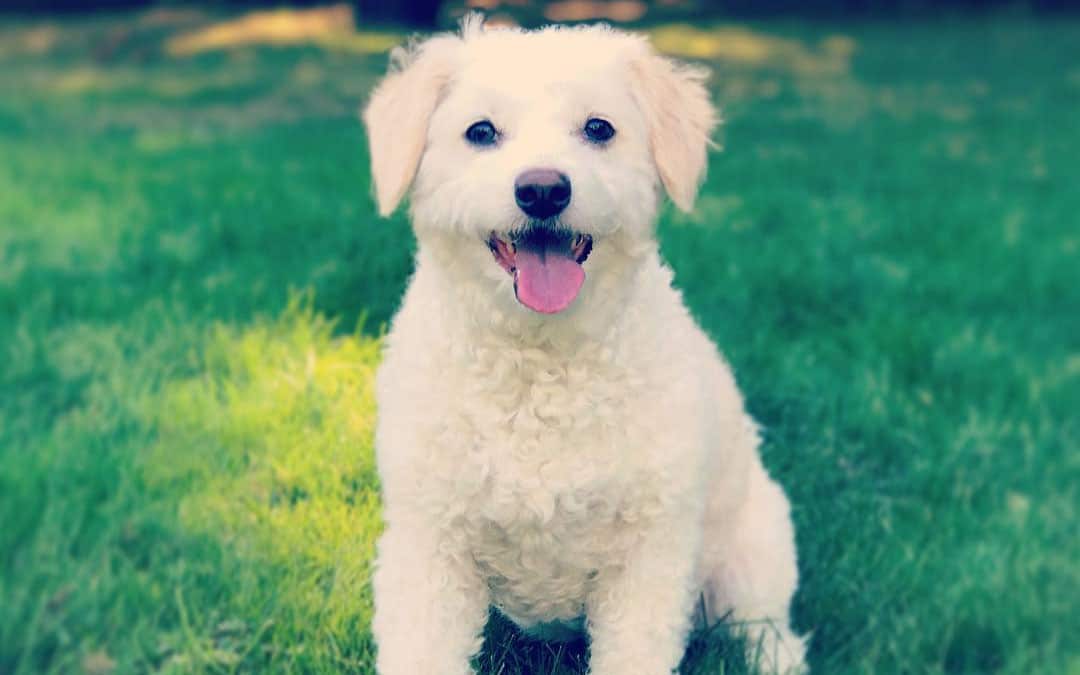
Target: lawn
193 285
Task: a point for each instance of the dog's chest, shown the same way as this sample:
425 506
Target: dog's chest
551 435
541 555
542 538
561 459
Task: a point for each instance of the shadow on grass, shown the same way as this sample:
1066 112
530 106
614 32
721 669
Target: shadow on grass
508 651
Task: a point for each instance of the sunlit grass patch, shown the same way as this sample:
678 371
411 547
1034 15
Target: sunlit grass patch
742 45
271 446
331 27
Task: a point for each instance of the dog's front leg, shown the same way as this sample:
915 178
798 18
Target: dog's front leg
430 603
639 614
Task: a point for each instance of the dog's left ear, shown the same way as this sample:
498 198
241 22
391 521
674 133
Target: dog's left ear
398 113
680 119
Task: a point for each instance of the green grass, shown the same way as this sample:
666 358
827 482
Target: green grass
192 286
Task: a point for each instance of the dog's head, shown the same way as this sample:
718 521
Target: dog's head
532 151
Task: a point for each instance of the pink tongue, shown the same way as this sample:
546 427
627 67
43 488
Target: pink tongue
546 280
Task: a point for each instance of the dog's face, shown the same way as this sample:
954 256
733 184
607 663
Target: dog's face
532 150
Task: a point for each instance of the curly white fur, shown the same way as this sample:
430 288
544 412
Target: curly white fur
590 469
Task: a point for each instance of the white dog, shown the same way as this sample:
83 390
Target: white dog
556 437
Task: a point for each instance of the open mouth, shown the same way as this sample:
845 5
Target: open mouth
545 263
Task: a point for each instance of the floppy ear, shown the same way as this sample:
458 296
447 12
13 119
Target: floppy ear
398 113
680 119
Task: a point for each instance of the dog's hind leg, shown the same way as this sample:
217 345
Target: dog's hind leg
750 573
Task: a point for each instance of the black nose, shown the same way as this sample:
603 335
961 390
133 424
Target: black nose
542 193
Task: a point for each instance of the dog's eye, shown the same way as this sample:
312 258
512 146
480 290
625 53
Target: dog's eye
482 133
598 130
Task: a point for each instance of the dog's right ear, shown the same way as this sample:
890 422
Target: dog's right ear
398 113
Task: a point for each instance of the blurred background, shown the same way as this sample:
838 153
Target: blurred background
194 286
427 14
